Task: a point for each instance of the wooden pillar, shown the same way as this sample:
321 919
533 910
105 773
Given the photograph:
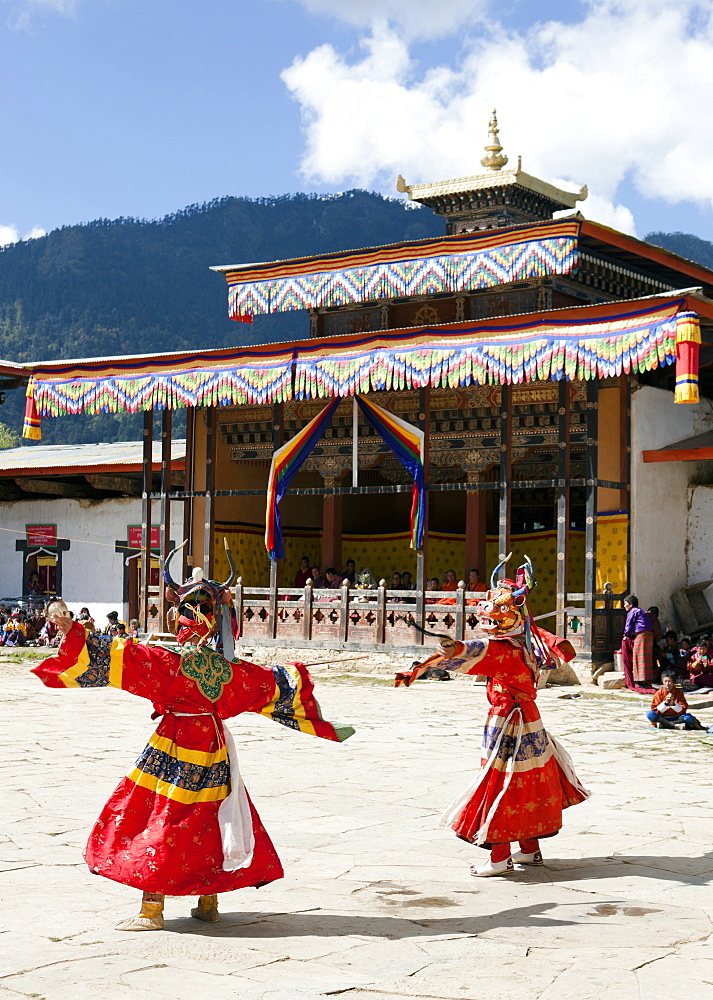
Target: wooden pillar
209 505
475 520
562 518
331 530
165 508
188 480
147 470
590 526
504 488
424 417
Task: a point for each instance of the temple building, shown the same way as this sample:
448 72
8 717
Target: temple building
527 358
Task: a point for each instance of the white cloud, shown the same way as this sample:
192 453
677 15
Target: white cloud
8 234
11 234
414 18
22 13
624 92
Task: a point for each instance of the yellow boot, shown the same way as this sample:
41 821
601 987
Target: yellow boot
150 917
207 909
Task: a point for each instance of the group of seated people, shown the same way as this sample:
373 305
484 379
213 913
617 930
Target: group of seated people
332 579
18 628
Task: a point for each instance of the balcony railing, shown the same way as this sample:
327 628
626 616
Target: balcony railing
351 618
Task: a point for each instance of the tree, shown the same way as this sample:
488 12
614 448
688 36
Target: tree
8 438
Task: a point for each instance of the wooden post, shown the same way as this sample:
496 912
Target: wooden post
239 604
332 532
189 504
505 471
424 416
165 509
475 519
381 613
590 526
272 604
563 423
460 611
147 467
209 510
307 622
344 612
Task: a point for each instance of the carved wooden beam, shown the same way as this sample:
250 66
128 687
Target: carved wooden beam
50 487
114 484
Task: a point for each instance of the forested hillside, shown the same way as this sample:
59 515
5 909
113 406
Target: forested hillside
130 286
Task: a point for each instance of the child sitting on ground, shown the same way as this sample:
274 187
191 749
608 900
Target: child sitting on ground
669 708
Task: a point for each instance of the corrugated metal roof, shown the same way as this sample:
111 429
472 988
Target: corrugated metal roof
48 458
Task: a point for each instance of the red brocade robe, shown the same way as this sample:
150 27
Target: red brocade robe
526 777
159 831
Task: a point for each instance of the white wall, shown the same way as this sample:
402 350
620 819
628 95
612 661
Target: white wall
92 572
699 554
659 522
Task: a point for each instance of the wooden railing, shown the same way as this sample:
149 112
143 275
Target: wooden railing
352 618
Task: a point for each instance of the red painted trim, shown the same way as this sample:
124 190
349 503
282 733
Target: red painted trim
678 455
656 254
80 470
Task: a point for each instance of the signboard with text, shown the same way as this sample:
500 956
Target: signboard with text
41 534
134 536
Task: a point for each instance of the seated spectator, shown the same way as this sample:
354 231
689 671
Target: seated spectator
669 708
304 573
317 579
86 620
396 584
114 620
406 582
120 631
332 579
700 666
350 572
685 652
433 584
134 628
475 584
48 633
34 586
13 632
450 580
671 657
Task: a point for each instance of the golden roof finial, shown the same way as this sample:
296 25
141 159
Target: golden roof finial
495 158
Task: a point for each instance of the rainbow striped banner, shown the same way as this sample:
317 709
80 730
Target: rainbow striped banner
406 442
285 463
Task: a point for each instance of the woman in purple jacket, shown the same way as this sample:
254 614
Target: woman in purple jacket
637 646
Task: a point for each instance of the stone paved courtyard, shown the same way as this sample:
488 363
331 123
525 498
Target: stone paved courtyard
377 903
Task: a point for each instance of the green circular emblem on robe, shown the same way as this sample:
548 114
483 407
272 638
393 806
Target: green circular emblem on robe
208 669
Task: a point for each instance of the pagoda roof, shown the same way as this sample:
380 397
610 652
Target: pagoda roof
462 262
491 179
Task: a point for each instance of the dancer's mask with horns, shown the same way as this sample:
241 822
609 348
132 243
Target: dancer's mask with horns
197 614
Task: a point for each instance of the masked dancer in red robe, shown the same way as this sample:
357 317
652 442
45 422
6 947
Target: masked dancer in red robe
526 778
181 822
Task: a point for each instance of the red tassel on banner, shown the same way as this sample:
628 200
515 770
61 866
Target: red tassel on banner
688 342
31 427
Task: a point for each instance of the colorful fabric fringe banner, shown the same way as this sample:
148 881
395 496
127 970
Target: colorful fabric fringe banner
688 342
406 442
285 463
461 262
31 427
585 342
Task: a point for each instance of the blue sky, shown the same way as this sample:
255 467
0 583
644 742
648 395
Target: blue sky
140 107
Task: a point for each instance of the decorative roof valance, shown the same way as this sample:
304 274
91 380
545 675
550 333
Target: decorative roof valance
460 263
580 343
